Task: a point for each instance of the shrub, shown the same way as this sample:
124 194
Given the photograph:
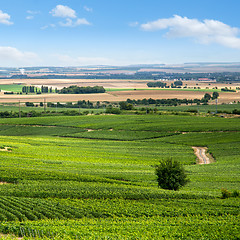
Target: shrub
171 174
112 110
235 193
225 193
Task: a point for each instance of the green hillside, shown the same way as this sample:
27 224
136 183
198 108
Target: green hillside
93 177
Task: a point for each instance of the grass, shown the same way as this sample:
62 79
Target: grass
153 123
15 108
11 87
200 108
69 183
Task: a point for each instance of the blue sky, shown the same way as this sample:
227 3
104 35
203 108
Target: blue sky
107 32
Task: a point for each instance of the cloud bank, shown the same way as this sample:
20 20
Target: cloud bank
5 18
205 32
12 56
66 60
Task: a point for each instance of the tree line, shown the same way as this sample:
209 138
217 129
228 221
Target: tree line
33 89
159 84
81 90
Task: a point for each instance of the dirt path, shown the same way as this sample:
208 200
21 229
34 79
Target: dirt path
2 183
5 149
9 236
200 152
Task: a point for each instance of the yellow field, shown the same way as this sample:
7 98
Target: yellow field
225 97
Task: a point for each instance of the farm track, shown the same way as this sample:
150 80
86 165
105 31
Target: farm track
7 236
200 152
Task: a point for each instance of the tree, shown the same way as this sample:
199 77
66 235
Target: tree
125 106
178 83
215 95
171 174
207 96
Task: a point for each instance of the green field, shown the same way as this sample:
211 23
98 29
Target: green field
15 108
11 87
92 177
200 108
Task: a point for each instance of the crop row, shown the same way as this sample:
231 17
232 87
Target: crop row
22 209
224 227
163 123
93 190
15 130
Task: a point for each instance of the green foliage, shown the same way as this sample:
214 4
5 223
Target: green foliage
171 175
29 104
207 97
235 193
159 227
215 95
62 185
225 193
157 84
227 90
178 83
82 90
112 110
163 102
125 106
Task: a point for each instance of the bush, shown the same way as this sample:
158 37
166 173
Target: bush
225 193
235 194
171 175
112 110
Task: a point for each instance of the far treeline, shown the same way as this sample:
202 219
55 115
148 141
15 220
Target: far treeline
154 75
159 84
82 90
179 84
65 90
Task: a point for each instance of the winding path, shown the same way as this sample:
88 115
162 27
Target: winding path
200 152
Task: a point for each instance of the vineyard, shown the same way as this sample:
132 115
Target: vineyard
93 177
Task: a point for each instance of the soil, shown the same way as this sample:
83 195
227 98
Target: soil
200 152
5 149
225 97
9 236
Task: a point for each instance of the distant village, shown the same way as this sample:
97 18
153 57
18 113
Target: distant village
197 72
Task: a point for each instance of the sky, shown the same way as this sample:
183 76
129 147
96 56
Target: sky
118 32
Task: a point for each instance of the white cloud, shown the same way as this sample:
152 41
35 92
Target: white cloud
33 12
69 14
5 18
82 21
66 60
88 9
10 56
205 32
133 24
70 23
29 17
63 11
47 26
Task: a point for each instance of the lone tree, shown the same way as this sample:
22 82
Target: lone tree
215 95
171 174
